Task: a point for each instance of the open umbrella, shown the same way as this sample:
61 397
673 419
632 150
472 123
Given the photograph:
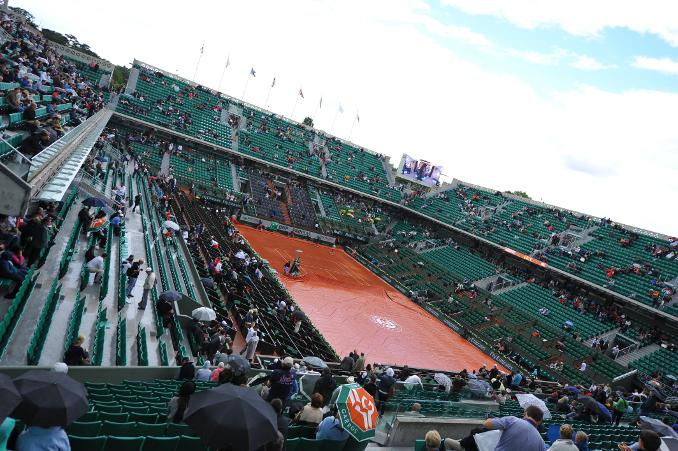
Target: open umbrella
9 395
171 225
526 400
170 296
315 361
94 202
207 282
357 411
50 398
232 417
298 315
442 379
658 426
98 224
204 314
596 408
238 364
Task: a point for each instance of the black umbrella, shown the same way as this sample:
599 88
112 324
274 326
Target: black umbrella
232 417
170 296
50 399
94 202
207 282
298 315
238 364
9 395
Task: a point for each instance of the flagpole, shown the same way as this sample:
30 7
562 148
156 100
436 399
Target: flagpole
270 88
295 106
246 83
315 113
334 120
352 125
223 72
198 63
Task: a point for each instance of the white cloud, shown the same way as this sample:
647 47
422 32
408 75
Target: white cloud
414 95
583 17
663 65
542 58
585 62
459 33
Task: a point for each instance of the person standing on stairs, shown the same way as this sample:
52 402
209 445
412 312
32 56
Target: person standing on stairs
137 202
133 275
149 283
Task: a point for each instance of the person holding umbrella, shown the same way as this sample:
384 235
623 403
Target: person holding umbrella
230 417
178 404
50 401
331 429
10 399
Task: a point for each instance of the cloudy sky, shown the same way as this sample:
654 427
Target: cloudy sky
574 102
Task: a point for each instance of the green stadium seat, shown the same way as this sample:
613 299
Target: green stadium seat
188 443
310 444
84 428
114 443
152 429
87 443
89 416
113 416
177 429
127 429
148 418
354 445
160 443
419 445
103 408
292 444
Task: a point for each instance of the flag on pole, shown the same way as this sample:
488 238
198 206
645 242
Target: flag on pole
273 84
202 49
253 73
321 102
228 61
341 109
301 93
357 116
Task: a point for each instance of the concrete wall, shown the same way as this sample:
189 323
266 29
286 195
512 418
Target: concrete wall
406 429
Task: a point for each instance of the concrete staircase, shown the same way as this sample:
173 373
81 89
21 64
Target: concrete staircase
635 355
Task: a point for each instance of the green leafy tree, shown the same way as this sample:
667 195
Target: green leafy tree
308 122
25 14
120 76
520 194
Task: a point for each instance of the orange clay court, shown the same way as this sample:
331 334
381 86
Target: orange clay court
355 309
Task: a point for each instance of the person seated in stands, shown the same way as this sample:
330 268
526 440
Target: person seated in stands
647 441
15 100
9 271
54 127
564 443
76 355
331 429
29 116
312 413
35 143
544 311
